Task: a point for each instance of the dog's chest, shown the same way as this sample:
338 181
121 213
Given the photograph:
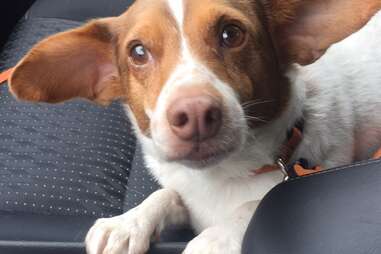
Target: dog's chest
210 197
213 203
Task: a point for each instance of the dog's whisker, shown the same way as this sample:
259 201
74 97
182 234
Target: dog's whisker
251 118
248 104
253 102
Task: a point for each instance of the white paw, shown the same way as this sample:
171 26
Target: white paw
214 240
126 234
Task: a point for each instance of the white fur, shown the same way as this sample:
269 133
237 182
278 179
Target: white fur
177 10
342 113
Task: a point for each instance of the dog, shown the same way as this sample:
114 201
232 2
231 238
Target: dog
212 88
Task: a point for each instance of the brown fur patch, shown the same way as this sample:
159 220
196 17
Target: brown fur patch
158 31
251 70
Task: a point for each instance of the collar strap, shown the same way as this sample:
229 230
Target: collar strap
294 138
286 151
5 75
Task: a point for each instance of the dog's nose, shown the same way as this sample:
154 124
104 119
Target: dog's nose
196 118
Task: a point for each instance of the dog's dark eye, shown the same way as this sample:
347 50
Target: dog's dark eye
232 36
139 54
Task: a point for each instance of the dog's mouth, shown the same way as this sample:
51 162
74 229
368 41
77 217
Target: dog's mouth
201 155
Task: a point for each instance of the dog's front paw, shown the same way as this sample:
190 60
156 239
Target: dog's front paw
128 234
214 240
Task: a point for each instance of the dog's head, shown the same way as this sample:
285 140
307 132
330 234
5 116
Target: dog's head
197 75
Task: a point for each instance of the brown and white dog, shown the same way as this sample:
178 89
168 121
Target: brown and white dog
212 87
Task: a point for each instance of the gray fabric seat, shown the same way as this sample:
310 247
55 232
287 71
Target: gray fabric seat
60 159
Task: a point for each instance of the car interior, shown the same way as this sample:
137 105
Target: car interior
63 166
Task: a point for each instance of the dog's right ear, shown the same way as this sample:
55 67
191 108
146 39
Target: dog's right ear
303 30
76 63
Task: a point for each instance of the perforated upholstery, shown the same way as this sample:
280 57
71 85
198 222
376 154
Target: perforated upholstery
72 158
78 10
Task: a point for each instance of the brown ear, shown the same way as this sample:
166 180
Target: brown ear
304 29
76 63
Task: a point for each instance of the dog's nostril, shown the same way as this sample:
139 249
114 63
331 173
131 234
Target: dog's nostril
210 122
181 120
212 116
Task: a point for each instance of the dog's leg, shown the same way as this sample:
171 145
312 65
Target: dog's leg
225 238
130 233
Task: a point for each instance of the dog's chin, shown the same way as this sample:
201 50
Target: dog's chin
207 161
202 159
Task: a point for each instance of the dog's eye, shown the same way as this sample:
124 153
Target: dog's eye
232 36
139 54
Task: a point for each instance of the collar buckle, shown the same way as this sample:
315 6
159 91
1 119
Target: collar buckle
283 168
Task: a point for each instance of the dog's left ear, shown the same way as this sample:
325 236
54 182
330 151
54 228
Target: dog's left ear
75 63
303 30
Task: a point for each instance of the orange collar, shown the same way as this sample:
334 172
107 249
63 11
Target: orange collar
286 151
5 75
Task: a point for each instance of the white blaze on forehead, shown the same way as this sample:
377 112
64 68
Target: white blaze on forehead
189 70
177 9
187 61
178 12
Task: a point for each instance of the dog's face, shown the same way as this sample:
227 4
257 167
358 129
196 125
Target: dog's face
189 73
197 76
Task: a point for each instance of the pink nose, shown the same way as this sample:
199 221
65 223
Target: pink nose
195 118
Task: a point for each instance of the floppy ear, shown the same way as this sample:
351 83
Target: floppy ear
303 30
76 63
